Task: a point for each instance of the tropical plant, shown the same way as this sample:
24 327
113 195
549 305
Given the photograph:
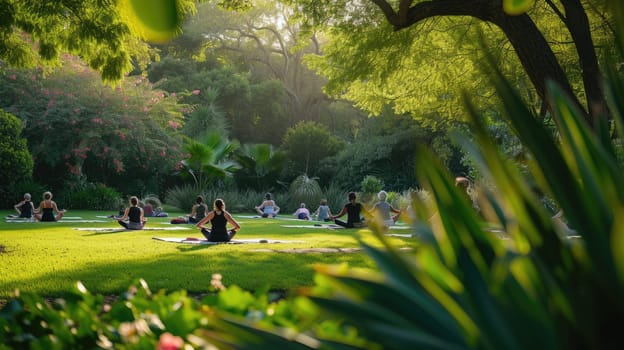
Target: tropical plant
210 158
261 165
466 287
305 190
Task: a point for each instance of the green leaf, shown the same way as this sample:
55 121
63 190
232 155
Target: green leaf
155 20
517 7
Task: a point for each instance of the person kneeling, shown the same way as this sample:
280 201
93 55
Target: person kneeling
133 218
219 218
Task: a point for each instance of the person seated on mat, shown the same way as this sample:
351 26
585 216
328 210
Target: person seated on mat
323 212
219 218
353 209
198 212
268 208
148 210
47 208
302 213
25 208
133 218
383 209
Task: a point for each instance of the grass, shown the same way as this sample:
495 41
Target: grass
49 258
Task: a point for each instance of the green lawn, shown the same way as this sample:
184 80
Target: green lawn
49 258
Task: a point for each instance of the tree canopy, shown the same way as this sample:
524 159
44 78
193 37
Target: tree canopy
105 34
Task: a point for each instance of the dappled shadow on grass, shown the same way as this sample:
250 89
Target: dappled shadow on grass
192 272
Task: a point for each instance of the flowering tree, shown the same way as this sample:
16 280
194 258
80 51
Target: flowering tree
77 126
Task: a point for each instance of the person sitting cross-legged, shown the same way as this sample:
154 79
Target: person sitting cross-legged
353 209
218 218
25 208
133 217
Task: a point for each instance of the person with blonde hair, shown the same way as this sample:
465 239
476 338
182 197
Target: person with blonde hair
25 209
219 218
302 213
47 208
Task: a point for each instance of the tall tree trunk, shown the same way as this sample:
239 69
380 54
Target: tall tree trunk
536 56
578 24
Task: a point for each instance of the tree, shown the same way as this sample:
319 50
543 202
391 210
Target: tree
307 144
78 127
269 42
104 33
533 50
15 160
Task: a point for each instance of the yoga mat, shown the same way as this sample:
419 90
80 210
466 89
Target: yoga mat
234 241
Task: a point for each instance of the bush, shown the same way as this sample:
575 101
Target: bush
92 197
153 200
183 197
304 190
15 160
371 185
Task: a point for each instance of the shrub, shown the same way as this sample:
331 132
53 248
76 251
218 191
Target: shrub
15 160
182 197
153 200
304 190
336 198
370 186
92 197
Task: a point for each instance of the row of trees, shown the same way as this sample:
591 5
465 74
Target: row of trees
232 94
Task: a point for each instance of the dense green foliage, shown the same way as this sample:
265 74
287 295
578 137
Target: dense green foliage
100 32
306 145
15 160
79 128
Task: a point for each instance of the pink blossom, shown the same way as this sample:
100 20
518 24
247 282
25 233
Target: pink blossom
174 94
118 165
163 152
173 124
98 121
12 76
169 341
195 92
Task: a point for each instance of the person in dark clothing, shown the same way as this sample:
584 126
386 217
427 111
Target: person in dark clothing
133 217
25 208
353 209
47 208
219 218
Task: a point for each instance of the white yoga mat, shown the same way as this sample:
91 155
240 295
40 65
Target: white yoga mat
325 226
234 241
121 229
62 220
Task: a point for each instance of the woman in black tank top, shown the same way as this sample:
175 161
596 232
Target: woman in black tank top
219 218
133 218
47 208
